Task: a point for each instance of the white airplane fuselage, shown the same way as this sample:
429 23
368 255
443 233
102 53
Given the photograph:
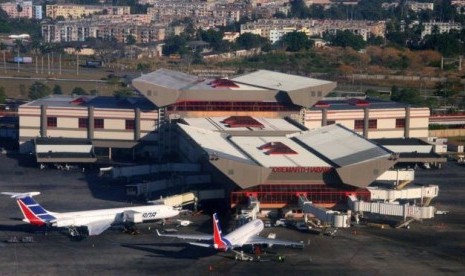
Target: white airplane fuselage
238 237
82 218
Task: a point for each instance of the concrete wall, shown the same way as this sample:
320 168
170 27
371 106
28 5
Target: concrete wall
447 133
68 124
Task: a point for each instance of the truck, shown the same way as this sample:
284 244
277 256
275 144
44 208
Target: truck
23 60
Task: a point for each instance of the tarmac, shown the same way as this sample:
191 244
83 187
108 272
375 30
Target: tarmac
431 247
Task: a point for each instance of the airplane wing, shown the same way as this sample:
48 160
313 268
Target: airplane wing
97 227
262 240
195 237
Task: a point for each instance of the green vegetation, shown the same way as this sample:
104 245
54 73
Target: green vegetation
57 90
123 92
296 41
79 91
299 62
38 90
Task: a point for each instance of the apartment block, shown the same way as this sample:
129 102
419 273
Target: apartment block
79 30
274 29
78 11
18 9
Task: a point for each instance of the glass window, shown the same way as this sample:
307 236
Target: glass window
358 124
372 124
83 122
99 123
51 121
400 123
129 124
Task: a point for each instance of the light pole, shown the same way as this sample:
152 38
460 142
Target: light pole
18 53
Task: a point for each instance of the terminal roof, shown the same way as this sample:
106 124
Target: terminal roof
182 81
95 101
342 146
351 103
218 124
278 81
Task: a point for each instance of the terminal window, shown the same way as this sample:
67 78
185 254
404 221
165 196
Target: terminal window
129 124
400 123
372 124
51 121
83 122
358 124
99 123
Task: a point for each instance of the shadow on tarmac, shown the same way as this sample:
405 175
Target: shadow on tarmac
187 251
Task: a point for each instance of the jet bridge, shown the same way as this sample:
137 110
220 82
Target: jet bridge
253 207
329 217
424 193
391 209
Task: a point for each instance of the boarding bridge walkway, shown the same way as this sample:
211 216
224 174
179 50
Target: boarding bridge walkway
138 170
329 217
391 209
253 208
190 198
424 193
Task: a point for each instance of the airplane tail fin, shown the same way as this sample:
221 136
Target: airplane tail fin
32 211
218 241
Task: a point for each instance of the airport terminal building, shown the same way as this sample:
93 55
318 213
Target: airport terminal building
267 134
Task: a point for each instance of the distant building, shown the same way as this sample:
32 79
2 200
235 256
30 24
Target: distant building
440 27
274 29
418 6
78 11
119 29
231 36
18 9
37 12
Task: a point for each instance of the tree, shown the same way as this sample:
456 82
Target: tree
296 41
57 90
214 38
38 90
299 9
130 40
250 41
123 92
143 66
347 39
79 91
174 45
406 95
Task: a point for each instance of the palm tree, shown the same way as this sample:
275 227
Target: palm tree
77 50
3 48
46 48
19 43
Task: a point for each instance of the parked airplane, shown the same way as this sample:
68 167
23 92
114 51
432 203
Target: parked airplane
96 221
247 234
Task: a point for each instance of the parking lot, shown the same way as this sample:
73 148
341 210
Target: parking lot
435 246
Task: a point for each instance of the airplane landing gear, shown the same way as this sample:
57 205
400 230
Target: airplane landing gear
130 228
73 232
